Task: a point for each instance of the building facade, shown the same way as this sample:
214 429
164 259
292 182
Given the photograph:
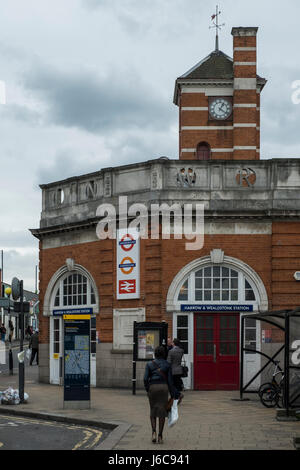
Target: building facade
251 246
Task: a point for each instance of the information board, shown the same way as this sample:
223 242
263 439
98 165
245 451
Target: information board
76 359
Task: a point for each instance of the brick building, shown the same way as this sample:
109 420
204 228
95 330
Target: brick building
251 237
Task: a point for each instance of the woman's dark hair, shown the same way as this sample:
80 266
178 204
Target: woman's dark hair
176 342
160 352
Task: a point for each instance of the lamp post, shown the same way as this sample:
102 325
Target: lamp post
18 293
10 354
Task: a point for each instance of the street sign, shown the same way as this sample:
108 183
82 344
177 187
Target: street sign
4 303
17 307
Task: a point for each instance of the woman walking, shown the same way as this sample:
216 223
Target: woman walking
158 382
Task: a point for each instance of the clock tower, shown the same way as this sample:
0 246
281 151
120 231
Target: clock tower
219 103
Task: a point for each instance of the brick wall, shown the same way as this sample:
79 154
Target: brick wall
285 261
274 258
160 262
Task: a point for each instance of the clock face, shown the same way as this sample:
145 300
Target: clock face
220 108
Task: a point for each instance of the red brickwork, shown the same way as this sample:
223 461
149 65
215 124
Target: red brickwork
240 137
285 261
274 258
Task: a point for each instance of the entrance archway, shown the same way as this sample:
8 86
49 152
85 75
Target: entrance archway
67 290
207 298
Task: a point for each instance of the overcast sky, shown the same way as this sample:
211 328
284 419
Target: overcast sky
89 84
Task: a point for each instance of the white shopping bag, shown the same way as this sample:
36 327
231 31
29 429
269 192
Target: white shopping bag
173 414
28 353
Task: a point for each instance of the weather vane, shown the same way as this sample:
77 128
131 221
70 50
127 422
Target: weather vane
216 25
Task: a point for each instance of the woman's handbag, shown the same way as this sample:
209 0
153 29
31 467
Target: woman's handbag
28 353
185 369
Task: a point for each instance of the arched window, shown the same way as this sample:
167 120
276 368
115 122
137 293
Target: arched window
218 284
74 290
203 151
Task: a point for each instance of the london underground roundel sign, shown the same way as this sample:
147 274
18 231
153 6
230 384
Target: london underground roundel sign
127 242
128 264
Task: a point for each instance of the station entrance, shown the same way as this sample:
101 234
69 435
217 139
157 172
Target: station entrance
216 353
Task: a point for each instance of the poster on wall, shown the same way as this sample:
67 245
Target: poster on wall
148 340
128 264
142 344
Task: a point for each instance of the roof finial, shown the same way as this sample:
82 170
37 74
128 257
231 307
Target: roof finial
216 25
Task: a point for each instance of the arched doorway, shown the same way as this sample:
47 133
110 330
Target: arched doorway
203 151
207 300
69 290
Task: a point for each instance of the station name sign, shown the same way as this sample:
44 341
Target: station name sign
73 311
217 308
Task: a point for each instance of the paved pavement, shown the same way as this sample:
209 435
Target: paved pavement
207 420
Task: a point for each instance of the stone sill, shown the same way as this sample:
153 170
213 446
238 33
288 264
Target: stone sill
121 351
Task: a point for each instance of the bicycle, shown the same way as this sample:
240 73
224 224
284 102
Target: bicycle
271 394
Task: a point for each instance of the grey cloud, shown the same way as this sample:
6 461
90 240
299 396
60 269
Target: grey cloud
280 117
65 164
23 113
21 266
16 239
98 104
123 149
151 16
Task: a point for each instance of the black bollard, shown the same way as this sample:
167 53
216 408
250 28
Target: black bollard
11 362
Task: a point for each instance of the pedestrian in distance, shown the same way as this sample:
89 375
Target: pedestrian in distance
3 332
28 332
175 356
11 331
158 383
34 345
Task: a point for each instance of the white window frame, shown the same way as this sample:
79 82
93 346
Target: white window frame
60 285
241 288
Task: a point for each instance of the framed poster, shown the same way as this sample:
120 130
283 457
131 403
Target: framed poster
147 336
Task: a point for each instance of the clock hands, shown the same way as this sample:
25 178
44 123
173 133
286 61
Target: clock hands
220 109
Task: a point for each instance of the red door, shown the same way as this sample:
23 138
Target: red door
216 353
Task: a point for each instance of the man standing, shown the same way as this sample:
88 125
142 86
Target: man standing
174 358
34 345
170 343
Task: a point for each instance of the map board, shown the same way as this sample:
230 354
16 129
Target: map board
76 359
